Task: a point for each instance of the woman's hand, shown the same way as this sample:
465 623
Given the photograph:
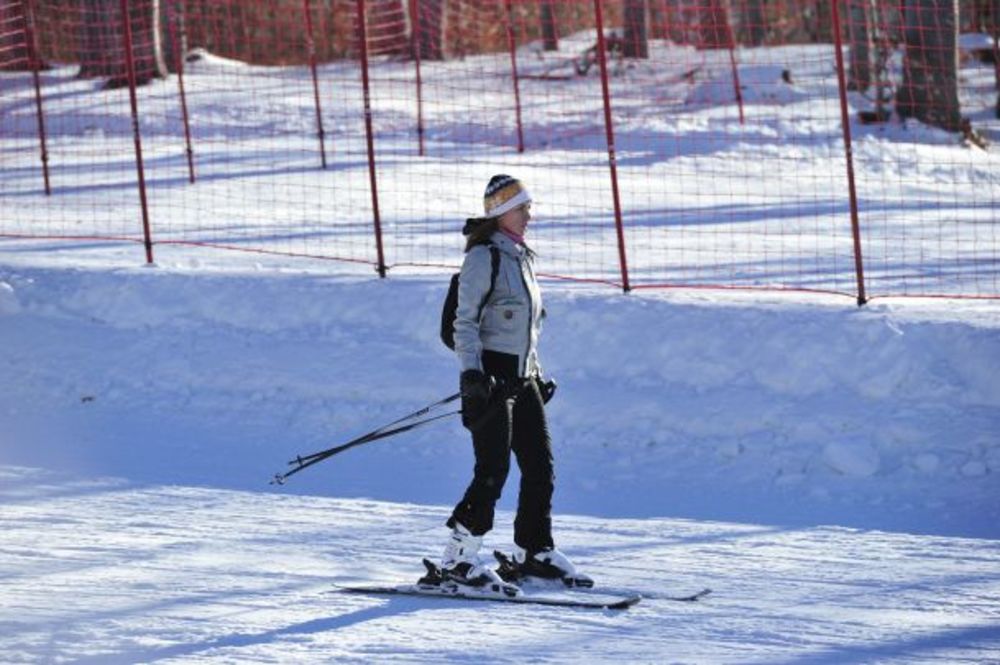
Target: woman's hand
547 389
475 389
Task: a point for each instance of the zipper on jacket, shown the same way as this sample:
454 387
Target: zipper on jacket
531 314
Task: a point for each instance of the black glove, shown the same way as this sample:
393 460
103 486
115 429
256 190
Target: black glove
475 388
547 389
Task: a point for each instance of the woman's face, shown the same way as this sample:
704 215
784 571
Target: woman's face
516 220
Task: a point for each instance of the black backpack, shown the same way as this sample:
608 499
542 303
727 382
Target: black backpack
451 300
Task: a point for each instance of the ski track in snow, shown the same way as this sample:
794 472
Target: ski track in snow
105 571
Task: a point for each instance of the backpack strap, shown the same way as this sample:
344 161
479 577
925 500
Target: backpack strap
494 271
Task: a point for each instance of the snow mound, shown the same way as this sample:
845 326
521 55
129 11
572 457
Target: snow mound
856 459
8 300
778 408
975 41
926 462
760 84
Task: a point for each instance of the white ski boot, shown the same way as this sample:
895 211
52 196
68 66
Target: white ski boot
551 564
460 565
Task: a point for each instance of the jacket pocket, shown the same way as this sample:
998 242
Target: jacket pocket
507 315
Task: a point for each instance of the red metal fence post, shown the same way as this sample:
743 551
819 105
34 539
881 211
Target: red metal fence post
311 46
179 67
415 45
35 62
602 58
363 43
845 120
130 68
512 45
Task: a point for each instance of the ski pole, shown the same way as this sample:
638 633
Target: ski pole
305 461
382 432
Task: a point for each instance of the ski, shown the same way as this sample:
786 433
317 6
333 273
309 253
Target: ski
690 598
535 584
684 598
453 592
510 572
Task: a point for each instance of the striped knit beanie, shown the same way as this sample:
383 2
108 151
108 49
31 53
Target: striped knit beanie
502 194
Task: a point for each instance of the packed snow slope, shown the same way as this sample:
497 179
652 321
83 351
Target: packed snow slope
108 572
831 472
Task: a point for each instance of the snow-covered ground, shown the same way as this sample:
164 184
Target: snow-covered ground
104 571
829 471
804 413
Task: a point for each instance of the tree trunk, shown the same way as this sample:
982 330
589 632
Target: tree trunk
658 19
670 22
174 31
713 25
929 89
859 31
967 16
636 44
753 29
102 41
994 22
430 29
550 36
98 44
820 23
147 41
891 21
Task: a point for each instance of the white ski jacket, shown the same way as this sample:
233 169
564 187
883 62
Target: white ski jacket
511 320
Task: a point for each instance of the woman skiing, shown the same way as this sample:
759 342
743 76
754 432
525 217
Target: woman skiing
497 324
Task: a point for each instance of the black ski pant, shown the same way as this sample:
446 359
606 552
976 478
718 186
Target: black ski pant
515 424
